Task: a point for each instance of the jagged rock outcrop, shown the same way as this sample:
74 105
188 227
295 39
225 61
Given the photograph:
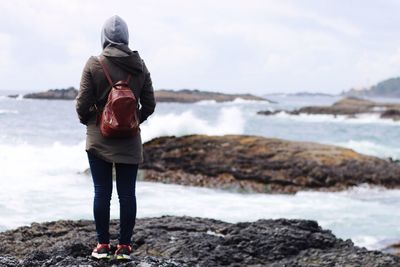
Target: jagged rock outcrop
191 96
63 94
258 164
349 107
185 241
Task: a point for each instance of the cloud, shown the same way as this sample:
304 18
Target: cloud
257 46
5 51
377 65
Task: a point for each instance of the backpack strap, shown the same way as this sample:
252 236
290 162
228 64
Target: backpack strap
106 72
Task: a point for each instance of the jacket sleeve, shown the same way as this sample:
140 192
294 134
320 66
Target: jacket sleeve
147 100
85 99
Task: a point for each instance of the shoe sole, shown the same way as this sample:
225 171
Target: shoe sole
123 257
100 256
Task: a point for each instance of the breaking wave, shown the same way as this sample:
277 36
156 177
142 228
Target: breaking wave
368 118
230 120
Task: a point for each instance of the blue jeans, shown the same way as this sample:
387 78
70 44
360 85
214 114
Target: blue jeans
126 179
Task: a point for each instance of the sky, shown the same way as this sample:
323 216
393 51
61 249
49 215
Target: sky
258 47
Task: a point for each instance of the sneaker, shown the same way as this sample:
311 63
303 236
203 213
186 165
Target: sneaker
123 252
102 251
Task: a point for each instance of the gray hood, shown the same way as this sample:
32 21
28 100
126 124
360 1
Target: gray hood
115 31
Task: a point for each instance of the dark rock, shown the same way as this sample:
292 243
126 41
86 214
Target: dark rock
63 94
397 161
310 94
391 114
269 112
8 261
350 107
13 96
191 96
185 241
258 164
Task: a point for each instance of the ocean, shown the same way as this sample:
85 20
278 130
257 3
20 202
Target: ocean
42 159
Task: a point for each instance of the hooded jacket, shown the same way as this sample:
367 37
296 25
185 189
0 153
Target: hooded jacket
94 89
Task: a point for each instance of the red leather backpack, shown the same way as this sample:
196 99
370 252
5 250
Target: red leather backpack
119 117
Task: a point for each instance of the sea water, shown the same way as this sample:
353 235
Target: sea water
42 159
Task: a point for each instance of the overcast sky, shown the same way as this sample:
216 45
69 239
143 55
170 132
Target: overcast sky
230 46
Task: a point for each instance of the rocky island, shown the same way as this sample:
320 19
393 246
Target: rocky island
61 94
265 165
191 96
350 107
180 96
187 241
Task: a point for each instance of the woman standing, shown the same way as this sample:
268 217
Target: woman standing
103 152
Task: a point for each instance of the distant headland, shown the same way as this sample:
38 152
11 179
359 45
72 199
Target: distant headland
389 88
349 106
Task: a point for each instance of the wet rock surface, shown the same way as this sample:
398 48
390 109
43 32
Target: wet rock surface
62 94
349 107
391 114
185 241
191 96
258 164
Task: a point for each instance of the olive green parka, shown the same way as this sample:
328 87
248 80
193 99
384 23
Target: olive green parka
94 89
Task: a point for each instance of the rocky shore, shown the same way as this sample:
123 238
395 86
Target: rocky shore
62 94
186 241
191 96
350 107
258 164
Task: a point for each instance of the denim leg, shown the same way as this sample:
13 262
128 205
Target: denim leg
126 183
102 180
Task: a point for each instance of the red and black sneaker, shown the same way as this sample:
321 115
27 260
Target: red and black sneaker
123 252
102 251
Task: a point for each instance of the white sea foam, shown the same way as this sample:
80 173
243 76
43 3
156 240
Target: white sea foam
206 102
372 149
29 166
230 120
235 102
47 187
26 167
36 181
42 183
8 111
240 100
368 118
